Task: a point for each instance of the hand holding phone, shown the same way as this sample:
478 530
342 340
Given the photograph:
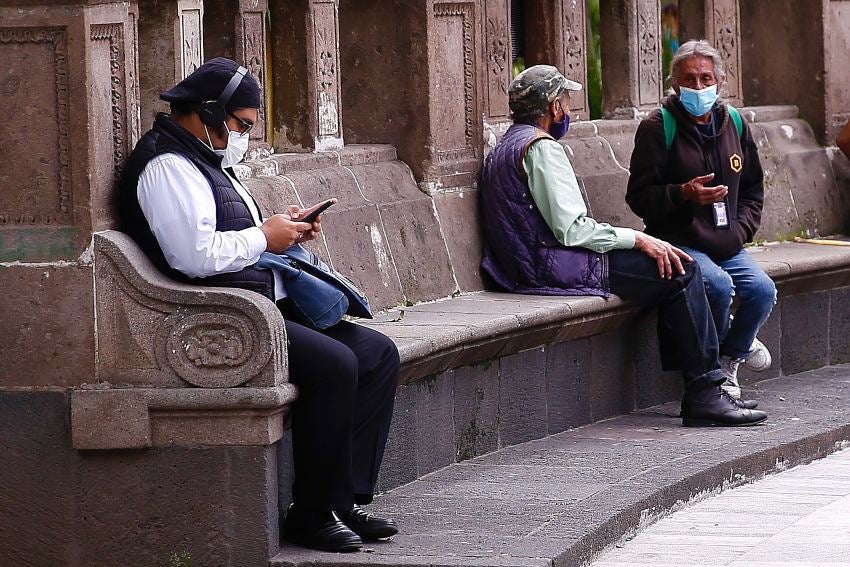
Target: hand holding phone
310 214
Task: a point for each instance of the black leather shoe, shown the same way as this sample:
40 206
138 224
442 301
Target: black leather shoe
747 404
368 526
319 530
715 408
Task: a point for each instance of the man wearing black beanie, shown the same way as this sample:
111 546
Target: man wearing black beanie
180 201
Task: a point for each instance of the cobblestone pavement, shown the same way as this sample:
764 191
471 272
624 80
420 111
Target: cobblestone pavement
796 518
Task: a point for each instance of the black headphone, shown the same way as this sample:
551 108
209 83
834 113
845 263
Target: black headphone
214 112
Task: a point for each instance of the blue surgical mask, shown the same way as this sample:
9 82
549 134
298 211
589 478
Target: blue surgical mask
698 102
559 129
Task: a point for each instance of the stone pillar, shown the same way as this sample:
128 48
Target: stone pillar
631 57
412 77
719 22
170 47
560 39
236 29
306 80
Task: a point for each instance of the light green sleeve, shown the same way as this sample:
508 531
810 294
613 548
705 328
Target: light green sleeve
557 195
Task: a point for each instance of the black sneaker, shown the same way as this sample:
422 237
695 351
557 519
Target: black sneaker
368 526
319 530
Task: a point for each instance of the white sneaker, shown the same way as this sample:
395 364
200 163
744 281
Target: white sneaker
759 358
730 367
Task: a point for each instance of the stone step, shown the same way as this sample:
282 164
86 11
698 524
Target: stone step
562 499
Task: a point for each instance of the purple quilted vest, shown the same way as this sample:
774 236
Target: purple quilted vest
521 252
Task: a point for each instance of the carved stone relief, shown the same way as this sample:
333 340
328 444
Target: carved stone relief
190 20
649 52
113 34
575 42
254 57
36 70
454 49
327 68
497 37
723 30
162 340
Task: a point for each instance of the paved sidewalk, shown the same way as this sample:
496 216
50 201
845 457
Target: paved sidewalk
796 518
563 499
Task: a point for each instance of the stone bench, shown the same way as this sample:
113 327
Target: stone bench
189 366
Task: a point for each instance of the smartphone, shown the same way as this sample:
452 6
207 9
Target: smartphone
311 213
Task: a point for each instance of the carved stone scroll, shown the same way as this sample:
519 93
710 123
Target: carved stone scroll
723 30
155 333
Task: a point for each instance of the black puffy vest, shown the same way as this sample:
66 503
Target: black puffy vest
232 213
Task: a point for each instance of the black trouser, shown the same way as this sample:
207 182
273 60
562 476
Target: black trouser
686 333
346 378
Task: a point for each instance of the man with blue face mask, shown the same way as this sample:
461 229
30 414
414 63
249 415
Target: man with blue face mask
539 239
696 181
181 202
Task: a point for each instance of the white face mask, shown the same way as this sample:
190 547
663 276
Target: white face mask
237 147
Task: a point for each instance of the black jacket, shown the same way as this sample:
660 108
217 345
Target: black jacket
654 190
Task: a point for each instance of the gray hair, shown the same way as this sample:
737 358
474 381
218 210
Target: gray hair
696 48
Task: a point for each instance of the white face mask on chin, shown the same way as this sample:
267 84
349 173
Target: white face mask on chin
237 147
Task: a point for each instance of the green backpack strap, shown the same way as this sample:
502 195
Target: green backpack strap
736 118
670 124
669 127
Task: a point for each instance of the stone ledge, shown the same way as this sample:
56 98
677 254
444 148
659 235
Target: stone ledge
115 418
563 499
770 113
349 155
475 327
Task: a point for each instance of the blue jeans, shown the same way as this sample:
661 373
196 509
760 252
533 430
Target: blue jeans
738 276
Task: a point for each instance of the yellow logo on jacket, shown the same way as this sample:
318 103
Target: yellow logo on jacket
736 163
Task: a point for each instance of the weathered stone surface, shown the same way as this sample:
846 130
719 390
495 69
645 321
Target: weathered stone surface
839 326
476 410
433 401
47 331
172 512
568 385
38 510
611 378
805 332
400 459
652 384
460 222
768 60
522 397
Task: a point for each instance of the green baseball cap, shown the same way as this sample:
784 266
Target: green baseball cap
536 87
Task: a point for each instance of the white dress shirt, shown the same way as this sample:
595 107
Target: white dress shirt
178 203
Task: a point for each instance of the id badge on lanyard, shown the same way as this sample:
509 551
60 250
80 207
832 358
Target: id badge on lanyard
721 214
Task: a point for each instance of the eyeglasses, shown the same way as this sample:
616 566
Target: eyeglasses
245 126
